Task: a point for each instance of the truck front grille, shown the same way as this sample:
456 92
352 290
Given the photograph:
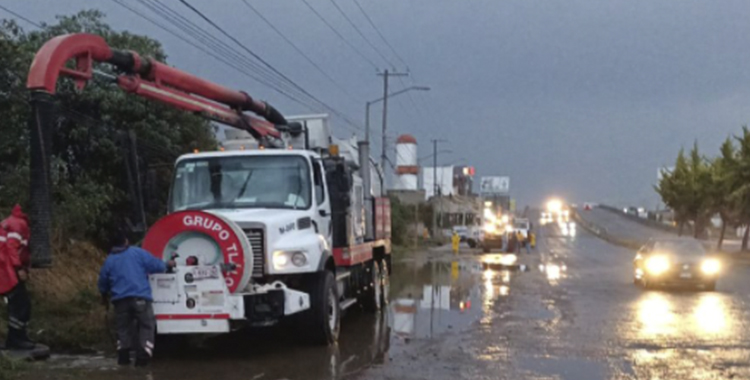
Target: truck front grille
255 236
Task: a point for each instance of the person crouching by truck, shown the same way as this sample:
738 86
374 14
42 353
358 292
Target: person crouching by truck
123 279
14 272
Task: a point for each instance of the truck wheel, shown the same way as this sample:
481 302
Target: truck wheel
386 276
472 243
323 319
373 297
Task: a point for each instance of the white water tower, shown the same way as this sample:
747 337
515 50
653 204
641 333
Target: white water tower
407 169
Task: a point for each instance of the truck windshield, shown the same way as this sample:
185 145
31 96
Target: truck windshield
241 182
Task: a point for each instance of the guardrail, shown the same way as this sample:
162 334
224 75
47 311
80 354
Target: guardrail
603 234
645 222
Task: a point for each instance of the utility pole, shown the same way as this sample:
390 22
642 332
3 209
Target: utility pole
383 157
435 187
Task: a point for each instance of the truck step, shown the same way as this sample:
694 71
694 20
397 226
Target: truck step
347 303
342 274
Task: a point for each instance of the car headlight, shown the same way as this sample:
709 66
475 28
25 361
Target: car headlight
283 259
657 265
710 266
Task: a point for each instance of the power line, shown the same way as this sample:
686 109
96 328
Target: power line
238 60
235 65
248 50
214 43
333 29
21 17
356 28
293 45
220 29
382 37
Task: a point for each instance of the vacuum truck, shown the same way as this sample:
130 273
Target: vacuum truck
280 223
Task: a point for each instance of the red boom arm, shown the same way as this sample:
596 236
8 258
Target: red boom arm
152 80
143 77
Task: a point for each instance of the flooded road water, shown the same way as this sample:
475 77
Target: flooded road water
573 314
428 299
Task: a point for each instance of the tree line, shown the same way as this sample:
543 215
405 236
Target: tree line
700 187
92 167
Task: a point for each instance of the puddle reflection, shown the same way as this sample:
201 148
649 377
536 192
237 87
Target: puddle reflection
707 316
441 296
554 271
427 299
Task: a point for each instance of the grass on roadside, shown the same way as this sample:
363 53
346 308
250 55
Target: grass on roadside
66 313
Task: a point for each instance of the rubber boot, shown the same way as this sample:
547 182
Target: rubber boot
17 340
123 357
142 361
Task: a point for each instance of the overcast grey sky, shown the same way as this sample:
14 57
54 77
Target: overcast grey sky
581 99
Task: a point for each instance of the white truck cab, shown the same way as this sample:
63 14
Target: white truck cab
262 234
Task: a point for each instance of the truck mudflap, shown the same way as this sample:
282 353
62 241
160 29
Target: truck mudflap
196 300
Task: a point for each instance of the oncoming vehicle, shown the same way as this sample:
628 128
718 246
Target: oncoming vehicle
678 261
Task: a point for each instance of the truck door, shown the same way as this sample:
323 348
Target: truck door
322 215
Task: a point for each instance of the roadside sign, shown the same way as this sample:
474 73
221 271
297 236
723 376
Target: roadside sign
494 185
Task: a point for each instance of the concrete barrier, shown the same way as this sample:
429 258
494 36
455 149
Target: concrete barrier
603 234
645 222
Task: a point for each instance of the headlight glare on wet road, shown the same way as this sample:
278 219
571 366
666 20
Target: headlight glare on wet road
657 265
710 266
508 260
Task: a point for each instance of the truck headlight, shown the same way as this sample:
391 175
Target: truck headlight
710 266
282 259
657 265
299 259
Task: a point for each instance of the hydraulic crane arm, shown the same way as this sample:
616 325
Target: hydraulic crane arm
152 80
143 77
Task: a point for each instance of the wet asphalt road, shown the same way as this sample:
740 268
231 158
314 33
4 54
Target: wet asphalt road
580 317
575 314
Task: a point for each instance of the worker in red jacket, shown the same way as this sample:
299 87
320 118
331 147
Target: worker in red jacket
14 272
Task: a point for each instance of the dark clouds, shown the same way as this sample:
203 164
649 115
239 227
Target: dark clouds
584 99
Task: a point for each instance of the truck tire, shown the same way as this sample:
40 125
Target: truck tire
323 318
386 283
372 300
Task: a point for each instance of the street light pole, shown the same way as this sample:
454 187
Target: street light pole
383 156
435 187
364 158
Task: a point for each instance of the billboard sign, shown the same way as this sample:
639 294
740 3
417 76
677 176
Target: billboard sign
494 185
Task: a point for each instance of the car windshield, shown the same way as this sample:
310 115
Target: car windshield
685 248
242 182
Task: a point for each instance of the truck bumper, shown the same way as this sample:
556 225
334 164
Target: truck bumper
269 303
205 306
192 323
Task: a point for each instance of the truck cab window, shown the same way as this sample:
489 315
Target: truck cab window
242 182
